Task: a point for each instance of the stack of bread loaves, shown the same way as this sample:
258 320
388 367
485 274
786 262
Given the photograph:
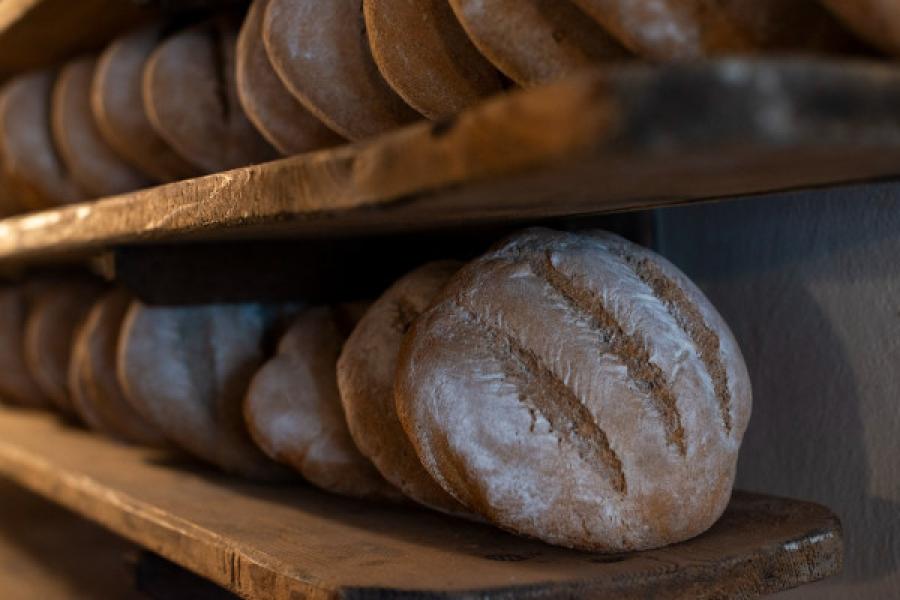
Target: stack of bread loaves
575 388
290 76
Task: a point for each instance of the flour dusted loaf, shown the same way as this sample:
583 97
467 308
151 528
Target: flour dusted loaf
96 394
535 41
366 382
17 385
294 413
186 370
578 389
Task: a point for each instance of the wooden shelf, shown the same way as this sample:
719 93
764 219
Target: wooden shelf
623 138
292 541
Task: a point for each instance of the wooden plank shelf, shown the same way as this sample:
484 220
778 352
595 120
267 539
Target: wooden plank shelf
294 542
614 139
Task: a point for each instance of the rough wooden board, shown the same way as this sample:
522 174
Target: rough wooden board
288 542
610 140
37 539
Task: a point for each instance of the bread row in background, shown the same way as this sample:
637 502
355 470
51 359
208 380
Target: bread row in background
291 76
575 388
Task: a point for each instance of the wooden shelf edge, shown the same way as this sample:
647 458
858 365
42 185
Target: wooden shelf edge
285 542
621 138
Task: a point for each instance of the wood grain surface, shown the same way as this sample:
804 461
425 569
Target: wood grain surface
609 140
290 542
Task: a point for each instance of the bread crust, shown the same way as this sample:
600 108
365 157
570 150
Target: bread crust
17 386
564 387
875 21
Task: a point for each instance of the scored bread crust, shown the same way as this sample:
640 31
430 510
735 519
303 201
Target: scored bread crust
424 54
535 41
278 116
321 53
570 388
366 371
293 409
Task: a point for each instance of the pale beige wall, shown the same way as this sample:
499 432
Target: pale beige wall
810 284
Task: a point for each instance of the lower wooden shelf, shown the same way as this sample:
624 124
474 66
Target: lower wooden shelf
292 541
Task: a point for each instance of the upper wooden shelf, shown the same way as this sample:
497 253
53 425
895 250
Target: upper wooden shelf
613 139
284 542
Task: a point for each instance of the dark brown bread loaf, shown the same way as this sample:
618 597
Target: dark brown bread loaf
424 54
93 164
17 386
535 41
117 101
191 98
186 370
96 394
28 155
876 21
59 309
686 29
278 116
366 371
321 52
578 389
293 408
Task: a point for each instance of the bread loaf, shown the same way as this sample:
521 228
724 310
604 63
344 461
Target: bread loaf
424 54
876 21
321 52
578 389
60 306
687 29
96 394
117 102
535 41
17 386
191 98
186 370
92 163
278 116
294 411
29 156
366 371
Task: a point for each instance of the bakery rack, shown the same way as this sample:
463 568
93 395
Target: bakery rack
607 141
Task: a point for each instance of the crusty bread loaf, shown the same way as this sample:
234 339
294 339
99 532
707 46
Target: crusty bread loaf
366 371
117 102
876 21
687 29
424 54
191 98
59 308
321 52
17 386
535 41
89 159
186 370
278 116
29 157
578 389
293 408
96 394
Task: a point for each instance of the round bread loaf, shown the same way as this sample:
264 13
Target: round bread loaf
535 41
578 389
365 373
54 318
293 408
424 54
117 102
96 394
876 21
191 98
17 386
92 163
186 370
278 116
687 29
29 156
321 52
